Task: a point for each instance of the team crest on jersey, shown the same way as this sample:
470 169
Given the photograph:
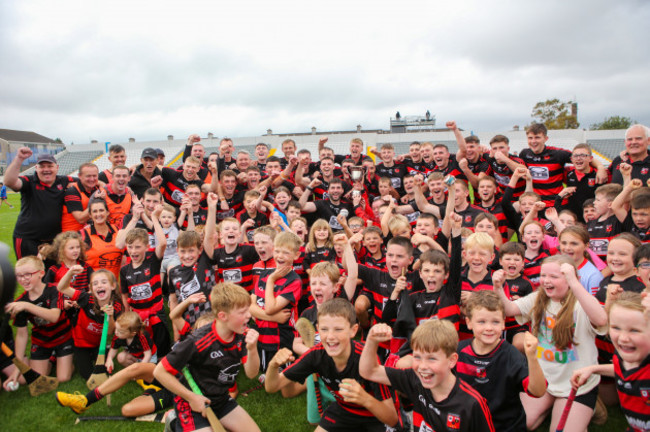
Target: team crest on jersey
238 258
453 421
645 392
608 228
147 272
60 187
326 253
592 182
468 218
644 171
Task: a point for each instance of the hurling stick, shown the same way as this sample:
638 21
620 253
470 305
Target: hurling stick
565 413
215 424
100 374
307 334
154 418
38 384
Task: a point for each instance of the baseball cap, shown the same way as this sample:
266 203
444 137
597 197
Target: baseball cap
45 157
149 153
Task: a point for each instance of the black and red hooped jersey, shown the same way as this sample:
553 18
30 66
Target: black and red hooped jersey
174 184
213 362
514 289
378 286
464 410
259 220
533 266
633 388
44 333
497 210
79 282
237 266
547 170
273 335
364 258
395 173
321 254
502 174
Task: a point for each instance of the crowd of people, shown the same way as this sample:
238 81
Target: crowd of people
468 292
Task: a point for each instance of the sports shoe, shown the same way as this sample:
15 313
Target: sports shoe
146 386
600 412
76 402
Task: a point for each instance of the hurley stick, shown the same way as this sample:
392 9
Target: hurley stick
100 373
565 413
154 418
212 418
38 384
308 334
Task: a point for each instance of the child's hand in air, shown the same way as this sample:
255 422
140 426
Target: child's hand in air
380 333
530 345
498 279
282 357
251 339
197 298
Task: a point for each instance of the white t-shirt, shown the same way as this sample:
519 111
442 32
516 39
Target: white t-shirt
558 365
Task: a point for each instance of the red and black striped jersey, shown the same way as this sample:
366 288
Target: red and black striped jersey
601 233
533 266
79 282
44 333
142 285
463 410
499 376
273 335
364 257
140 343
502 174
317 361
235 205
481 164
497 210
633 388
237 266
547 170
87 330
200 217
378 286
213 362
395 173
467 285
642 234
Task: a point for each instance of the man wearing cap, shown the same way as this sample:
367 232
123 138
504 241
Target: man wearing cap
161 157
147 174
41 201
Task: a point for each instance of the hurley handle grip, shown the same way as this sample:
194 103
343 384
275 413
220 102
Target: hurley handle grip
102 344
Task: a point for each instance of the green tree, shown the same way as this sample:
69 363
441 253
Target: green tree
556 114
613 122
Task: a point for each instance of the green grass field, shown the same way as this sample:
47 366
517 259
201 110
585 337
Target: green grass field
20 412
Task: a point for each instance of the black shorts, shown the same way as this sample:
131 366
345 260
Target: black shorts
588 399
162 398
43 353
188 420
337 419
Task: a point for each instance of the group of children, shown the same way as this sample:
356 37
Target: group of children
426 313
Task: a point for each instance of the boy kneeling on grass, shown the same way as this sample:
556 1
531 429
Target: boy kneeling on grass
360 405
213 354
440 400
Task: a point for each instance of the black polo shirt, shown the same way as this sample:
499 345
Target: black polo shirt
41 207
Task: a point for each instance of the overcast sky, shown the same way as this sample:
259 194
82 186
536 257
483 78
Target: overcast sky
146 69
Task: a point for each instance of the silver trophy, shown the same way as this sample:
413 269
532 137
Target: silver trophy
356 173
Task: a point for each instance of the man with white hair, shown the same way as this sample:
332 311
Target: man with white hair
637 139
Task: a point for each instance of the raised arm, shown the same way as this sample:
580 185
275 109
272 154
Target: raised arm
511 308
460 140
369 366
306 205
589 303
621 204
210 224
64 284
12 174
161 240
136 214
